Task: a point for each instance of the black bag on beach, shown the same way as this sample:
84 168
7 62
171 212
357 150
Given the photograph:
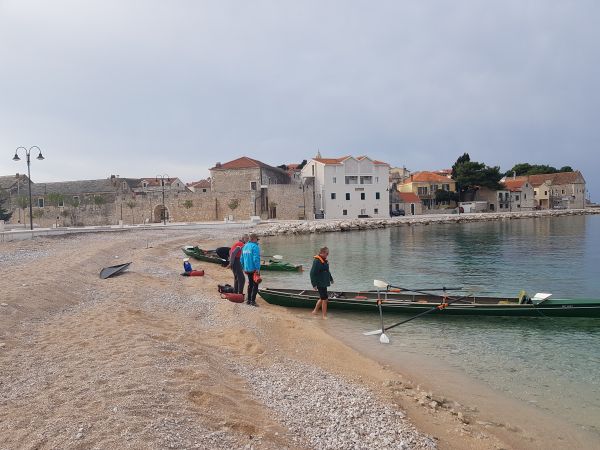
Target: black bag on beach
225 289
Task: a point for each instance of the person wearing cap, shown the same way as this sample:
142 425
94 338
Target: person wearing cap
251 265
187 266
321 279
235 263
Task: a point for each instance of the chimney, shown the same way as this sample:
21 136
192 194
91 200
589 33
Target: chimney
514 174
218 165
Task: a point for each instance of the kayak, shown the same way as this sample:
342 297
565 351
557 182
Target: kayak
415 304
204 255
212 257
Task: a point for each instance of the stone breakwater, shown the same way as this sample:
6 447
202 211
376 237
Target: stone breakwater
325 226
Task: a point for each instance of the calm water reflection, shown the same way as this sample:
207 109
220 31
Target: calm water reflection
551 363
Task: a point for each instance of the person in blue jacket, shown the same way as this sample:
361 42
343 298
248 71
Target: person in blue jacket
251 265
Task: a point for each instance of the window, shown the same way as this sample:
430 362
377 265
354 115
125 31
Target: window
253 185
76 199
347 196
144 184
516 197
422 190
545 192
40 202
333 196
61 202
345 212
377 196
362 195
445 187
499 195
501 206
334 180
376 211
363 212
524 196
366 180
124 186
352 180
376 179
563 191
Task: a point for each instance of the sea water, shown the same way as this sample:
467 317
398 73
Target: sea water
552 364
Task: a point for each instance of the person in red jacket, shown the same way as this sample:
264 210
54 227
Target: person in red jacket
235 253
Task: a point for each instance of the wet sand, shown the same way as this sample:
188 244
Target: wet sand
150 359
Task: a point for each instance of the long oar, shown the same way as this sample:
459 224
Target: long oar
383 338
384 285
279 257
435 308
422 290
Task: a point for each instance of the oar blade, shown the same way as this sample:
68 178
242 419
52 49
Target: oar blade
372 333
380 284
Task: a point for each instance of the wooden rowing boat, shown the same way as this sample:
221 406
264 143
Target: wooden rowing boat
415 304
212 257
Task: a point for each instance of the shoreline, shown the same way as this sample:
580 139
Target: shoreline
93 358
340 225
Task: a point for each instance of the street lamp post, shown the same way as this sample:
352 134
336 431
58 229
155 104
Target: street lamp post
28 155
162 182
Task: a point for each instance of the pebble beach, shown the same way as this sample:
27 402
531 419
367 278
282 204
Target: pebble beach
151 359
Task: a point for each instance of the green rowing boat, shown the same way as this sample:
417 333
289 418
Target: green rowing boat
415 304
212 257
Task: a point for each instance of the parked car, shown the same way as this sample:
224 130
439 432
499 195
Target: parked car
398 212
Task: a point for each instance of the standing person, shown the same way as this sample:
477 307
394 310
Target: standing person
251 265
321 279
235 263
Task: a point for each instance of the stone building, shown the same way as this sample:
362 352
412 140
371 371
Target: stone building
199 186
516 195
264 190
407 201
563 190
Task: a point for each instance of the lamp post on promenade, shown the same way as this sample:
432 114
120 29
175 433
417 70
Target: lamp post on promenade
162 179
28 155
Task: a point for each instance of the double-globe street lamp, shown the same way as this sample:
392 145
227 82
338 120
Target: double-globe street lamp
162 179
28 155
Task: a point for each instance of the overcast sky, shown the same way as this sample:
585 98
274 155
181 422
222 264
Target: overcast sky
139 88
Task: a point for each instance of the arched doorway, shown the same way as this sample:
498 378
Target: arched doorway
160 213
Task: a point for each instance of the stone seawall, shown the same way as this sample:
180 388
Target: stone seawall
325 226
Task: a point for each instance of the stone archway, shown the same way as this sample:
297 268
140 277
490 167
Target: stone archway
160 213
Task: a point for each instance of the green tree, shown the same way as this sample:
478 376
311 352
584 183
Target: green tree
471 175
461 159
445 196
188 204
535 169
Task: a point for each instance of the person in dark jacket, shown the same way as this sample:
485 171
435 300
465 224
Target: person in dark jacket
321 279
235 264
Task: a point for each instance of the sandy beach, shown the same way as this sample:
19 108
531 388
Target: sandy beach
151 359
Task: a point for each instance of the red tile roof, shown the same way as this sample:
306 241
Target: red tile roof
200 184
242 163
556 178
427 177
409 197
514 184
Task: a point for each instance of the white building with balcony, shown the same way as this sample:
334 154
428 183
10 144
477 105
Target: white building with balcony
349 187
